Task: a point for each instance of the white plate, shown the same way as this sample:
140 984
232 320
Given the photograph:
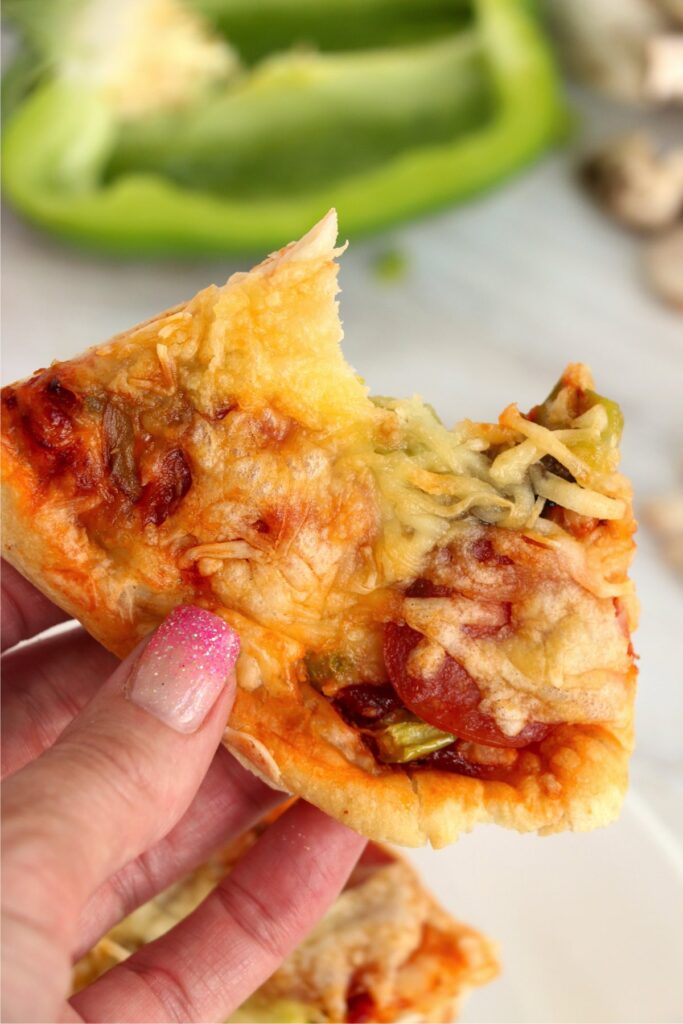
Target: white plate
590 927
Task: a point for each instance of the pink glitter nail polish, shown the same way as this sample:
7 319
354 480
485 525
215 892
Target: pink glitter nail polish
184 667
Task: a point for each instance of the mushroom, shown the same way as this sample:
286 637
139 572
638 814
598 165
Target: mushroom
605 41
637 184
664 68
674 9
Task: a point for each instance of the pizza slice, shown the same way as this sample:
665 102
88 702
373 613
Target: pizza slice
386 951
435 623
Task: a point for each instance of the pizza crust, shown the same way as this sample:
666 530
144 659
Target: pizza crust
579 783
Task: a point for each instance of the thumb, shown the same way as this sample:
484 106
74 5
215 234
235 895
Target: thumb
123 773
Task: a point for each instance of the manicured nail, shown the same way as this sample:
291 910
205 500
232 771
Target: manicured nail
184 667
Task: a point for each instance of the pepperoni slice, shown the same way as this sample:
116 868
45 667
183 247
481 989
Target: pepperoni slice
360 1009
450 698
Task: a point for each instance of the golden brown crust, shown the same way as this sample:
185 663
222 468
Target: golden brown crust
578 783
279 533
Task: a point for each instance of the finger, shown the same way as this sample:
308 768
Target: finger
230 801
45 684
121 775
25 611
208 964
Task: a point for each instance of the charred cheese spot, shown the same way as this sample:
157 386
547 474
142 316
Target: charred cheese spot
163 494
46 420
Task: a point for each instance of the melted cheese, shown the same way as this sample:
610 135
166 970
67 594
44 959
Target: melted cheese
565 660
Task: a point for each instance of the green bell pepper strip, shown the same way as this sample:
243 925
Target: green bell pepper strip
603 456
60 141
406 741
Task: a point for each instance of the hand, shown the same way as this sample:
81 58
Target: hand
115 786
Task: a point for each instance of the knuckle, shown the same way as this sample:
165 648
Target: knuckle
166 987
255 918
124 891
37 887
136 883
121 770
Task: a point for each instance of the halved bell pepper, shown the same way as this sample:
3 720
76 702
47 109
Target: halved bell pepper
383 129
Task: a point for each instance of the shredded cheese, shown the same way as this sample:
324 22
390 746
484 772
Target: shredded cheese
167 364
218 551
434 476
512 464
578 499
548 442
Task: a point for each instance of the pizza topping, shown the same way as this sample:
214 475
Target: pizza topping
169 416
119 453
578 499
45 416
454 759
402 742
48 417
61 394
365 703
564 453
426 588
483 550
325 669
396 737
573 523
479 754
167 365
360 1009
449 698
162 495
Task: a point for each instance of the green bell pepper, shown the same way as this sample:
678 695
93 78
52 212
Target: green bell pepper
603 456
405 741
328 668
382 132
600 453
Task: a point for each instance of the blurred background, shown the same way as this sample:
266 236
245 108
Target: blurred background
510 176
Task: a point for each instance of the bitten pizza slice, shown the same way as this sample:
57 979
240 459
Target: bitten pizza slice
435 623
385 951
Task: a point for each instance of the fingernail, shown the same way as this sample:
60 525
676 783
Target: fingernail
184 667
